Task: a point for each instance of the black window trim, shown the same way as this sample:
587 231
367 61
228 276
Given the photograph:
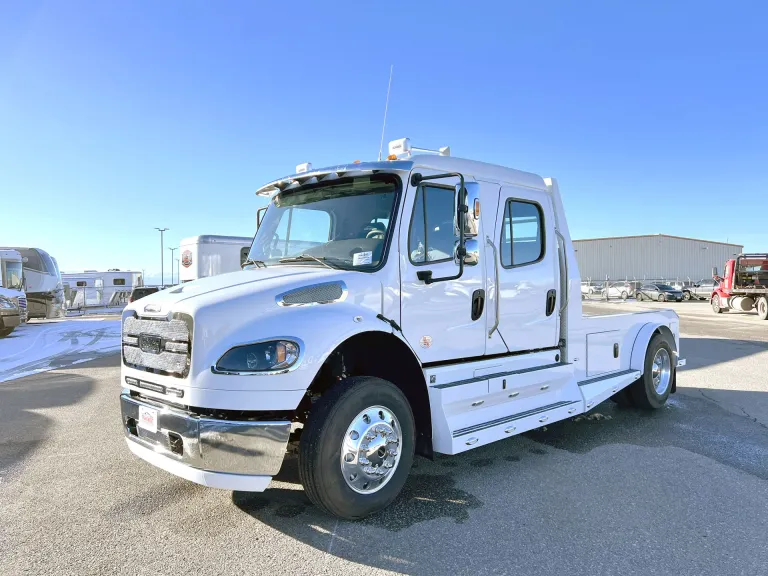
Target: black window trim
424 208
501 233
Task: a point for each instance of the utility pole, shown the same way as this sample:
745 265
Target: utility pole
172 251
162 270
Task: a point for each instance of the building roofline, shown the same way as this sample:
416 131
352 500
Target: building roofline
660 236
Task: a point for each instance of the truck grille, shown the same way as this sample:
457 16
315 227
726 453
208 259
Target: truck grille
158 345
22 308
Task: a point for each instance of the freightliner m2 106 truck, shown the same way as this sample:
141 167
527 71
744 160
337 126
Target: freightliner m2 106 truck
423 304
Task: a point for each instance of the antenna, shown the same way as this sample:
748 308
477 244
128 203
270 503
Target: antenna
386 105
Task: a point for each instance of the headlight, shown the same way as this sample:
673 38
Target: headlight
6 303
273 356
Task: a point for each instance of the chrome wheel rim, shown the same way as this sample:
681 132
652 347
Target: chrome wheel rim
370 450
661 371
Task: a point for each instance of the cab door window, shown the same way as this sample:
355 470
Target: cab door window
522 237
433 234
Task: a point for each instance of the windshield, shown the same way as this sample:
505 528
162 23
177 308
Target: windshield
12 275
344 223
665 287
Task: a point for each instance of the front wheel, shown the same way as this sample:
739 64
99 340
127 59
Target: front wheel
357 447
652 389
716 304
662 298
686 296
624 295
762 308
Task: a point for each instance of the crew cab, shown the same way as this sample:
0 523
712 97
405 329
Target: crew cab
743 287
418 305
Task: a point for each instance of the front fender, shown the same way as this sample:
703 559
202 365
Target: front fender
320 328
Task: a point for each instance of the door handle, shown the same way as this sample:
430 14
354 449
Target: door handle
496 287
478 303
551 300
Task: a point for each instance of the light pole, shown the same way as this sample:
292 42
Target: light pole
172 251
162 270
178 273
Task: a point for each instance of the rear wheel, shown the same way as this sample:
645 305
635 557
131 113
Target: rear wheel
639 297
716 304
357 447
762 308
652 389
624 295
686 295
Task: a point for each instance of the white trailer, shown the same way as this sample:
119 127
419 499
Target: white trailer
42 283
94 288
209 255
418 305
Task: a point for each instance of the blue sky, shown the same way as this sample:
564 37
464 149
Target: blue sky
119 117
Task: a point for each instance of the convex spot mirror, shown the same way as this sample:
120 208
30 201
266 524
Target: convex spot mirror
471 199
473 252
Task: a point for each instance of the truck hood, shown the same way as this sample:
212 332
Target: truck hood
247 286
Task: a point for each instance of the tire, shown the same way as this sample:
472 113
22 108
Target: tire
5 332
686 296
662 298
716 304
329 425
639 297
623 295
647 392
762 308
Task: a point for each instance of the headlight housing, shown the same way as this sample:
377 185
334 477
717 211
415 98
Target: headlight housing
6 303
271 356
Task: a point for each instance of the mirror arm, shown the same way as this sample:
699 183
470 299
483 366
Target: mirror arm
461 251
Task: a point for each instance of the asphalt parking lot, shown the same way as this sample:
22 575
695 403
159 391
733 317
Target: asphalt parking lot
683 490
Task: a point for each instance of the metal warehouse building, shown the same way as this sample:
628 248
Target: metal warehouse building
656 257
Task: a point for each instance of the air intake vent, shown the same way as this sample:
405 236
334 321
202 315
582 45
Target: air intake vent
325 293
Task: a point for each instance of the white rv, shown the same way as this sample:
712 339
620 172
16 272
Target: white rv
13 301
42 283
420 305
93 288
209 255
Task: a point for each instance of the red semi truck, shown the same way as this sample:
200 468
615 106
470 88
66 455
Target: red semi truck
744 285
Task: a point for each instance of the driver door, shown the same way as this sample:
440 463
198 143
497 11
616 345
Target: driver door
440 320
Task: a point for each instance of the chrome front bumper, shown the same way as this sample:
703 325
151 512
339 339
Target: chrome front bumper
215 447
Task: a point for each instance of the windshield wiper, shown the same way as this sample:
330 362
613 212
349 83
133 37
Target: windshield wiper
257 263
308 257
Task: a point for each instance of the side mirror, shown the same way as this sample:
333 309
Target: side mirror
714 272
472 257
259 216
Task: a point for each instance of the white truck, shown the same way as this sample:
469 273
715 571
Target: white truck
423 304
209 255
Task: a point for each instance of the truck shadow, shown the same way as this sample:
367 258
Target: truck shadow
22 427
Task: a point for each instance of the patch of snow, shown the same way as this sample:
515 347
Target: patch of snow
41 346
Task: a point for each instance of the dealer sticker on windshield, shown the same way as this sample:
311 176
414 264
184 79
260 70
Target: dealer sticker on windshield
362 258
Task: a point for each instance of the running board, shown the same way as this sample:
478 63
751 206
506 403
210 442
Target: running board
600 388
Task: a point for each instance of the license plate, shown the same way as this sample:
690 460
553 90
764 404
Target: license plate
148 419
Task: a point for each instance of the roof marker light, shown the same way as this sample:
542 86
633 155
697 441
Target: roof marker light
305 167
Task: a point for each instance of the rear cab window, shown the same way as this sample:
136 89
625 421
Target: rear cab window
522 233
